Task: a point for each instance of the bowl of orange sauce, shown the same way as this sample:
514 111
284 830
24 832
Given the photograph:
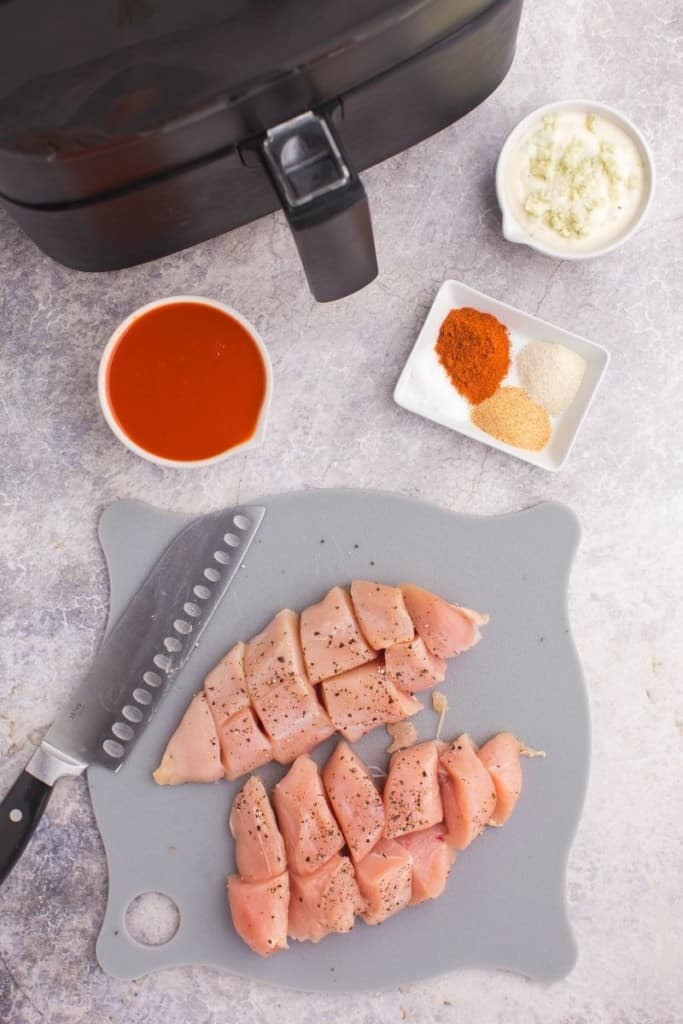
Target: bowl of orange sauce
186 381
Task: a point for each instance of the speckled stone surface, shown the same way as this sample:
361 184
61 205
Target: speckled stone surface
333 423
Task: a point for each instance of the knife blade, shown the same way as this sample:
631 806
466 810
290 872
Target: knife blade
139 659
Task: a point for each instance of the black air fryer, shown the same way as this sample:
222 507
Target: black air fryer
130 129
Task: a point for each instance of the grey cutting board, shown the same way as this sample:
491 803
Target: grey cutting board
505 901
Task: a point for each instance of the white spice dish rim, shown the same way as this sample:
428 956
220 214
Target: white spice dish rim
425 389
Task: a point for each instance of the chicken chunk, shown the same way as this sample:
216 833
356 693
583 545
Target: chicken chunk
260 912
467 791
500 757
307 824
384 878
331 638
325 901
193 752
446 629
364 698
433 858
412 667
355 800
381 613
259 847
412 799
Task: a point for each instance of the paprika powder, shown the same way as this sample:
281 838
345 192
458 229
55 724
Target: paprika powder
474 349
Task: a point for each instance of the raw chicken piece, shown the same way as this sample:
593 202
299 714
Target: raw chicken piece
467 791
412 800
193 753
225 687
274 657
500 757
331 637
278 685
413 667
294 719
259 912
259 847
446 629
433 859
326 901
308 827
381 613
363 698
355 800
403 734
384 879
243 745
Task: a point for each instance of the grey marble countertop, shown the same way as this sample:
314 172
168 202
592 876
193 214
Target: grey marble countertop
333 423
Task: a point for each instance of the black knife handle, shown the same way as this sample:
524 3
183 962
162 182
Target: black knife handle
20 812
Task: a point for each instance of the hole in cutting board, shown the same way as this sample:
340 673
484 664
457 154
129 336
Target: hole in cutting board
152 918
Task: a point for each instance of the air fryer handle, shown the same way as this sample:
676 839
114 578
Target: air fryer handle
325 204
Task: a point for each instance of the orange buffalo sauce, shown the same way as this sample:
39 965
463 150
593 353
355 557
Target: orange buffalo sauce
186 381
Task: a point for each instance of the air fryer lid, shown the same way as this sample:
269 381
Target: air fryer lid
95 95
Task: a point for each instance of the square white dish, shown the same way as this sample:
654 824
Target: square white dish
425 388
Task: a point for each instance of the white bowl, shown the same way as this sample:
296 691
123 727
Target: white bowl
424 387
514 231
259 433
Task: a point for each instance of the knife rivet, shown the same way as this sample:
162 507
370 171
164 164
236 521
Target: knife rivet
222 557
15 815
142 696
232 540
212 574
241 522
131 713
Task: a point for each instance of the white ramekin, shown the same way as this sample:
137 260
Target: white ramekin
516 232
107 411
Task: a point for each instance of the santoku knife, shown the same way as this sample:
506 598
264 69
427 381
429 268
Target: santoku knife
136 664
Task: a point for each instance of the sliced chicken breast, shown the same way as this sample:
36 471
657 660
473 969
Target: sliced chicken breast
331 638
274 657
381 613
243 745
294 719
467 791
259 846
364 698
308 828
384 878
412 799
225 686
433 858
355 800
260 911
193 752
325 901
446 629
412 666
283 698
500 757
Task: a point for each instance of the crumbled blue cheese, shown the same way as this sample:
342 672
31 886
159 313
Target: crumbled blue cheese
577 178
